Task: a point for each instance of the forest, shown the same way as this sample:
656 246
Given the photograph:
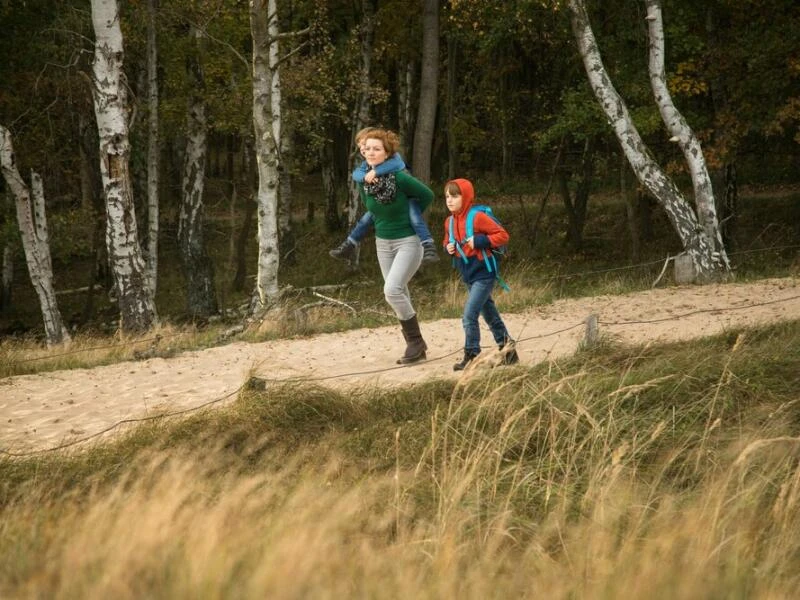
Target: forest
198 401
160 156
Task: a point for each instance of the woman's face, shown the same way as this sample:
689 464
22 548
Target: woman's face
374 152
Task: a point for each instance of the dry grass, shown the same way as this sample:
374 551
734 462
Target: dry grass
20 356
662 472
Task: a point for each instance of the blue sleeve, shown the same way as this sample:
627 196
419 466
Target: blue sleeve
481 241
390 165
360 171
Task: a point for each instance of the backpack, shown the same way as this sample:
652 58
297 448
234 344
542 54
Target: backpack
488 256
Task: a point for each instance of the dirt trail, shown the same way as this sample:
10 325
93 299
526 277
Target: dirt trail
46 410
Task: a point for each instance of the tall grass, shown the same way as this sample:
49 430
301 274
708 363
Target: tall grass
669 471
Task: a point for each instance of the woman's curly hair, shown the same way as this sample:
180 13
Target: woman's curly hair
391 141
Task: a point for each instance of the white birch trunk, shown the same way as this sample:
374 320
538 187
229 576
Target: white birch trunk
137 309
285 192
264 31
706 261
152 149
282 137
32 220
682 133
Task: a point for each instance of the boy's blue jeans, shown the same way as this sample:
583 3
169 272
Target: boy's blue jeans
479 302
364 224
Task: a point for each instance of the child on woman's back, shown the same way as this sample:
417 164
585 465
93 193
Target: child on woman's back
364 174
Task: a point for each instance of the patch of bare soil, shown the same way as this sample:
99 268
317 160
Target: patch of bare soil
47 410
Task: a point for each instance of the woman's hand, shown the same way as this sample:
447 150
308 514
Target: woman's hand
451 248
370 176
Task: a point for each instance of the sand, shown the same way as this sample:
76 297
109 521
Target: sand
77 407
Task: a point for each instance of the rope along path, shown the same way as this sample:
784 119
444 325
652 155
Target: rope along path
407 371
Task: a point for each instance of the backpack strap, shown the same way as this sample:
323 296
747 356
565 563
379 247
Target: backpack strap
453 239
488 256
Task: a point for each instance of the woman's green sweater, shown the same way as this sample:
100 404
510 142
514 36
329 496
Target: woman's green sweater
391 220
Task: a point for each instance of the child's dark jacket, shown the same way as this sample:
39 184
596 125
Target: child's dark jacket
488 234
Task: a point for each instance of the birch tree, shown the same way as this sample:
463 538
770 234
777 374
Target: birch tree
32 221
264 29
198 270
137 309
703 250
283 139
682 133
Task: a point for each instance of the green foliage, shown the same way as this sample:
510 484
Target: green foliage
519 85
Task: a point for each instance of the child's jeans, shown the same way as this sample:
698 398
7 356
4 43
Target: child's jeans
479 302
364 224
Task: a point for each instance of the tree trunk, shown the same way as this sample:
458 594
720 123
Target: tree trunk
152 149
90 171
7 278
137 309
452 94
708 265
329 185
198 270
87 166
264 28
682 134
32 221
405 118
241 246
730 206
645 203
428 100
573 236
285 200
361 112
631 216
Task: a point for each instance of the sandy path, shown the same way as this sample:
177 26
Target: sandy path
43 411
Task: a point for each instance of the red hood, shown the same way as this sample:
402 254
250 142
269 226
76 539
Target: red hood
467 194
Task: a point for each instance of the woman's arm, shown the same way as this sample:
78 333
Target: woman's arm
393 164
360 171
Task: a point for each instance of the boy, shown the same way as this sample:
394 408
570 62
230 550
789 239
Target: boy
488 234
362 173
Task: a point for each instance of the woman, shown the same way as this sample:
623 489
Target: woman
399 249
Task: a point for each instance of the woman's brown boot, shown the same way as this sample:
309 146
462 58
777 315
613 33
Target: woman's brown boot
415 345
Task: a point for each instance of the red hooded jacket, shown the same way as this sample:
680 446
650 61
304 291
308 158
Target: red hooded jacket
488 234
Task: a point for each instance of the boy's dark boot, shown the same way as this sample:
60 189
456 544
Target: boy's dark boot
468 358
415 345
510 356
429 254
344 251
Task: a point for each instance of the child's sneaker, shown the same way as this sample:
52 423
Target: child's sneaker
468 358
510 356
345 251
429 254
